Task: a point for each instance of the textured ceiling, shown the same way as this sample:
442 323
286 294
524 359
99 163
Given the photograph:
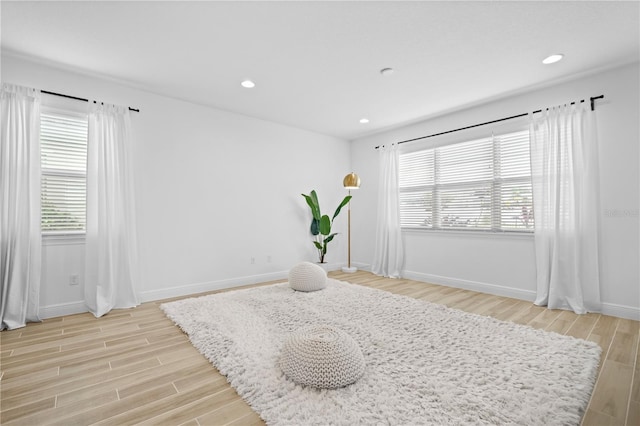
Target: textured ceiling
316 64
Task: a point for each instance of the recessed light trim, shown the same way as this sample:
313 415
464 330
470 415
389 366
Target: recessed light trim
386 71
364 120
552 59
248 84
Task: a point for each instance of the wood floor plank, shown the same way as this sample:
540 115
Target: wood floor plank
180 352
226 413
544 319
563 322
81 384
83 389
501 307
66 343
81 368
80 389
456 298
603 331
633 415
526 315
582 326
613 388
85 345
153 350
424 289
510 312
628 326
635 388
180 401
51 415
162 376
195 409
45 342
594 418
135 365
92 356
31 337
623 348
205 375
8 383
27 409
251 419
155 322
442 293
88 400
123 405
485 305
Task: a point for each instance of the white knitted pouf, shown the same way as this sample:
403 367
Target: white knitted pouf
306 276
322 357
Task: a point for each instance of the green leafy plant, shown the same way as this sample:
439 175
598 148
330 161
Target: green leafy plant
321 224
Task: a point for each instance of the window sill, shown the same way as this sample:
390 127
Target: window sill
466 234
63 239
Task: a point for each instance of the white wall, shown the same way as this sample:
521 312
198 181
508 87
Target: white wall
213 190
504 264
216 188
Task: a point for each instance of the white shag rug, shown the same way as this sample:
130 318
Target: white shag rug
425 363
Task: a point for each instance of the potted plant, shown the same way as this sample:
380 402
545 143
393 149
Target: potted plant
321 224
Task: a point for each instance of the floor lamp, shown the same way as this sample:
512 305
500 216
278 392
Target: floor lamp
350 181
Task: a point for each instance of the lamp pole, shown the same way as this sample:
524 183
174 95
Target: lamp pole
349 234
351 181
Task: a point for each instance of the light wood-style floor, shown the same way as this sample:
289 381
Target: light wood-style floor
134 366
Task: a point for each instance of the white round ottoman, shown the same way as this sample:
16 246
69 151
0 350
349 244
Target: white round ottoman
322 357
306 276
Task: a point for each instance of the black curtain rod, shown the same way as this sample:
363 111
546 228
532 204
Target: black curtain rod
76 98
591 99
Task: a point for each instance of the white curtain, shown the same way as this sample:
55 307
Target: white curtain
564 169
388 256
20 231
111 249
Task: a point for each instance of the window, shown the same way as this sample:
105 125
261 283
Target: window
63 139
483 184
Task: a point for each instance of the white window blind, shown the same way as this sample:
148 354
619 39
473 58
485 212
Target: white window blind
63 140
483 184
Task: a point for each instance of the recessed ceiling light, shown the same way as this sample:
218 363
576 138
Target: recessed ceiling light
552 59
248 84
386 71
364 120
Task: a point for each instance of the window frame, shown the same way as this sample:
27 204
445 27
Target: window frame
61 236
495 183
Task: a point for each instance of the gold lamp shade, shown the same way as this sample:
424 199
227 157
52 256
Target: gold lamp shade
351 181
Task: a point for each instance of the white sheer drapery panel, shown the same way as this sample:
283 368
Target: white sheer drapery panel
111 247
20 229
388 256
566 188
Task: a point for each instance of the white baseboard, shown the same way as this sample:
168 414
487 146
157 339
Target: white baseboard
481 287
191 289
611 309
72 308
621 311
51 311
362 266
62 309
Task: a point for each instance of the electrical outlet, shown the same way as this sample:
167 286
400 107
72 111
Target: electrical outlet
253 260
269 259
74 279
